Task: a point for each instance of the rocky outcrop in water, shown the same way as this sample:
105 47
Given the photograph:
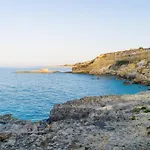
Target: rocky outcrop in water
91 123
130 64
45 71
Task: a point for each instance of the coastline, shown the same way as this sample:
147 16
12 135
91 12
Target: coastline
102 122
133 65
90 123
74 75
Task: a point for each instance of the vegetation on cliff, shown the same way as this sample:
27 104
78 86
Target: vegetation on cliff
132 64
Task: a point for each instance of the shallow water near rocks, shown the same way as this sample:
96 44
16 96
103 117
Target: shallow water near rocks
32 96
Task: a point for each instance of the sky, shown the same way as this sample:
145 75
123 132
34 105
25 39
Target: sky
52 32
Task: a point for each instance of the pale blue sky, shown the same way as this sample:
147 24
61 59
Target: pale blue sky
49 32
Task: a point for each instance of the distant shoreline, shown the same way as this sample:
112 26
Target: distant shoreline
34 72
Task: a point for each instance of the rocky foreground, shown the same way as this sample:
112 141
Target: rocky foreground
91 123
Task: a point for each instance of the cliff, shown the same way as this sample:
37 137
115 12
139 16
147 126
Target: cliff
131 64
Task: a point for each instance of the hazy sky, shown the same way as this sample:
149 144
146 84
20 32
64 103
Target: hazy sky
48 32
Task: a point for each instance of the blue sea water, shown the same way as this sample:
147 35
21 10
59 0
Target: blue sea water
32 96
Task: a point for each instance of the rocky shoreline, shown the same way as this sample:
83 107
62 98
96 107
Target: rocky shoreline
91 123
133 65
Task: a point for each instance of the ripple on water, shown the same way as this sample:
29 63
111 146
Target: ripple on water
31 96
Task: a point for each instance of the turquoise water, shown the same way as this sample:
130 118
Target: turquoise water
31 96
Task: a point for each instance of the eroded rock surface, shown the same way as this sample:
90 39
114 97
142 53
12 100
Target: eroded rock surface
91 123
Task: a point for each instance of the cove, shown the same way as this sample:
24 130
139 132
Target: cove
32 96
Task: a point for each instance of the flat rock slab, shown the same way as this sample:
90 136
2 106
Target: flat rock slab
91 123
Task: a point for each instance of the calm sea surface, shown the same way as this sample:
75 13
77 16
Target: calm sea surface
31 96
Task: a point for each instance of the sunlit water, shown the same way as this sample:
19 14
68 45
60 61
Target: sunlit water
32 96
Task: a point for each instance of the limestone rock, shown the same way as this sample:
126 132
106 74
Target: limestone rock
95 123
132 64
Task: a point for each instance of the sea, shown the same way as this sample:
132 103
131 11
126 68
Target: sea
32 96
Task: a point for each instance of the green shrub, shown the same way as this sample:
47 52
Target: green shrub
136 110
143 107
133 118
147 110
121 62
148 128
141 48
148 133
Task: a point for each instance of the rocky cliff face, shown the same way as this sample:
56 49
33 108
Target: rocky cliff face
131 64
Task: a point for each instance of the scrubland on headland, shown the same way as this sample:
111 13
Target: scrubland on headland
131 64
